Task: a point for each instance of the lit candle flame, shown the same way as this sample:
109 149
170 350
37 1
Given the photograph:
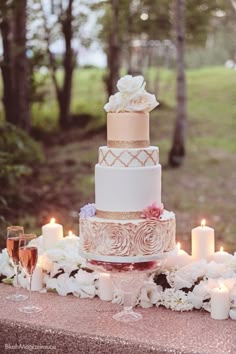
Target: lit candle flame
52 221
70 233
179 246
203 222
221 249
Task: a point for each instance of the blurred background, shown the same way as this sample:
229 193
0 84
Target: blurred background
60 60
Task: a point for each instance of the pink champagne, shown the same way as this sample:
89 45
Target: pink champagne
13 249
28 258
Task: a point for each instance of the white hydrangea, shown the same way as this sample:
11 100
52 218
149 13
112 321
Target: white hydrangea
176 300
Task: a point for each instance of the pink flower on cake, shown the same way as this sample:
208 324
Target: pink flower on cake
141 102
152 212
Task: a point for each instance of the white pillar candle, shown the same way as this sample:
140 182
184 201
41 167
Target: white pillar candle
221 256
105 287
37 279
181 259
220 303
52 233
203 242
232 314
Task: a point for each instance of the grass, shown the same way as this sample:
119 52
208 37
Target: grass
204 187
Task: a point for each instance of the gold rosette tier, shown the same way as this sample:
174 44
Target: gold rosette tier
128 238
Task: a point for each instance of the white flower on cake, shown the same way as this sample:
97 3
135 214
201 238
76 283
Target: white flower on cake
141 102
130 84
132 96
115 103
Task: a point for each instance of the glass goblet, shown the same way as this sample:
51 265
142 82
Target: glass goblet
28 254
128 284
13 238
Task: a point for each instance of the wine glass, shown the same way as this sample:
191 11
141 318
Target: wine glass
13 237
28 254
128 284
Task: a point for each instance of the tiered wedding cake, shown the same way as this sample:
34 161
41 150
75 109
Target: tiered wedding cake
128 218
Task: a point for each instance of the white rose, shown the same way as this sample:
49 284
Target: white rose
129 84
115 104
141 102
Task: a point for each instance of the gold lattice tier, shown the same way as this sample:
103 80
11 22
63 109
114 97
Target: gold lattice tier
128 157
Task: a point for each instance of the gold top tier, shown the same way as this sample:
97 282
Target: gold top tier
128 130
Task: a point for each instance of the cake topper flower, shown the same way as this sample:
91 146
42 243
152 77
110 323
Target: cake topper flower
132 96
87 211
152 212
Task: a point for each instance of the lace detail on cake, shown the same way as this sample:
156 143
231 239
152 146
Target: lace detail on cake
127 158
129 239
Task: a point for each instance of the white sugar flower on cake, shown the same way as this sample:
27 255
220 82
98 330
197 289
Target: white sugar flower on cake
132 96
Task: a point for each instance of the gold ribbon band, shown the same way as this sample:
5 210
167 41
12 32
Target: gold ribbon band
128 144
118 215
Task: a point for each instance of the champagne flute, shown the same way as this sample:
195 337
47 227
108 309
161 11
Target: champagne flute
13 237
28 254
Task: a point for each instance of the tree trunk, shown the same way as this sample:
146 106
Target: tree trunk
21 66
68 64
114 50
15 65
7 68
177 152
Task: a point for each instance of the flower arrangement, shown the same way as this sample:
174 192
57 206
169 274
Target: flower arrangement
176 288
132 96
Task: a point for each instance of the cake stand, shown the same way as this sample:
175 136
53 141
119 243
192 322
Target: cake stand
128 275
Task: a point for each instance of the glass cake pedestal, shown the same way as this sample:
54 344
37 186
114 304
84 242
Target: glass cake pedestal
128 275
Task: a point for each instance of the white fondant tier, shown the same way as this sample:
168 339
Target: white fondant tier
131 189
128 237
114 157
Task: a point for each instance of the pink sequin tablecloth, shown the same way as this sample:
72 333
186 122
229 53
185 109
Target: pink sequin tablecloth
71 325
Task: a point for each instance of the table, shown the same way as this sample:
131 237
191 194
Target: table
72 325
